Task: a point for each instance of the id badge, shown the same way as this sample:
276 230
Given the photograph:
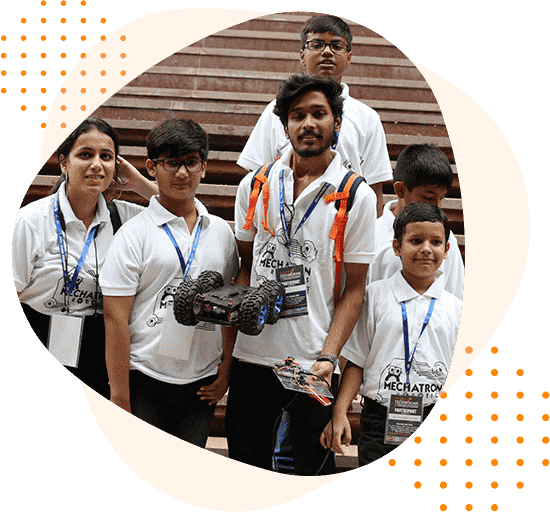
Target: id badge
292 278
65 338
404 416
176 339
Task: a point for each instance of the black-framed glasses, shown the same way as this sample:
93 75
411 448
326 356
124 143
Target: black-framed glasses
173 164
318 45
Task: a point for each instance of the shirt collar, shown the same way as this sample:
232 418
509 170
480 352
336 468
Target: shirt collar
403 291
333 173
101 216
389 205
161 215
345 90
386 220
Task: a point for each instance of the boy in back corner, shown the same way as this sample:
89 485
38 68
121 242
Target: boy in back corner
422 173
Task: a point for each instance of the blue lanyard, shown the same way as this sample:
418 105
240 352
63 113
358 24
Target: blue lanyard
185 267
409 360
286 231
69 286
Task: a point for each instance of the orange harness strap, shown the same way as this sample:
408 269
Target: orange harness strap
260 183
338 230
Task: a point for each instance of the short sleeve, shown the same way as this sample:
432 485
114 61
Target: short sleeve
356 347
376 166
121 270
360 227
25 251
241 208
265 143
454 269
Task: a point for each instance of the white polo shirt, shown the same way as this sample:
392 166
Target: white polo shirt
37 262
142 261
361 141
379 348
386 263
311 253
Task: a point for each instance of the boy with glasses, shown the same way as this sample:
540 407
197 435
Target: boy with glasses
168 375
326 51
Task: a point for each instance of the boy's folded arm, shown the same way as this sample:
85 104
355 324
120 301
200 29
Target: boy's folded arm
117 347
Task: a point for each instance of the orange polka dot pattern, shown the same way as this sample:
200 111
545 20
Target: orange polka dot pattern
42 47
480 443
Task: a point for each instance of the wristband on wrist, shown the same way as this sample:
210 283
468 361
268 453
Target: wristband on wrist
328 357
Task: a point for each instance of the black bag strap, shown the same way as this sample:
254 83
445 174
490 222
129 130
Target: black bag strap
113 212
115 216
352 190
266 174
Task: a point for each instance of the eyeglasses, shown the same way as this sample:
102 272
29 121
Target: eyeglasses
174 165
318 45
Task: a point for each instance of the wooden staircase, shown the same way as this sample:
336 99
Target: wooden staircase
224 82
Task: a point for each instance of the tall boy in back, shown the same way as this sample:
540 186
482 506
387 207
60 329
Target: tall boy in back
422 173
325 50
409 327
168 375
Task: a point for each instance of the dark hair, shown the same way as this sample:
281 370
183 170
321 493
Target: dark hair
423 164
177 137
89 124
84 127
297 85
419 212
326 23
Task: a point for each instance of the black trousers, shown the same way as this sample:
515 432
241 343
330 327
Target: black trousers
92 368
254 405
173 408
370 445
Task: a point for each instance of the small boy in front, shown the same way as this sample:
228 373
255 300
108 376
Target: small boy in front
166 374
409 329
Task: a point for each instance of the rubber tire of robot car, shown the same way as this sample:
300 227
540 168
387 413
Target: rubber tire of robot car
210 280
183 301
276 293
252 312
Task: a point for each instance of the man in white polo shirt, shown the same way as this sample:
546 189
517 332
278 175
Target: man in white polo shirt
287 238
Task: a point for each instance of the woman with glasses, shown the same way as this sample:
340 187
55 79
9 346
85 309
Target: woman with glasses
60 243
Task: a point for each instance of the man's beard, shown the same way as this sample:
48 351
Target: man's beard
308 153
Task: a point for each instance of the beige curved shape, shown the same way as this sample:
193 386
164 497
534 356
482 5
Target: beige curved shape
488 171
485 162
